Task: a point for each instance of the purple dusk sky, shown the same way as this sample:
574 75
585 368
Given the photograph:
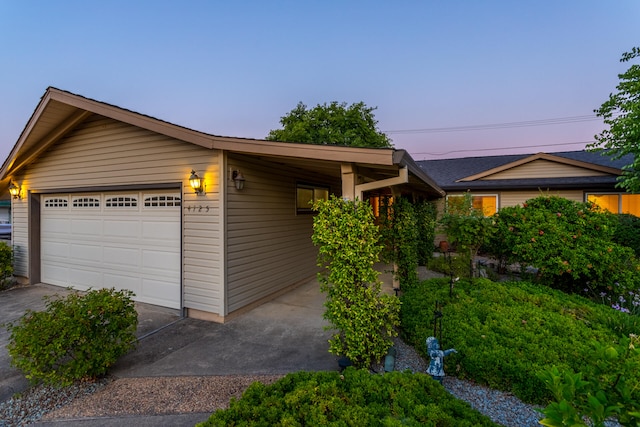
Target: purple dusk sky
234 68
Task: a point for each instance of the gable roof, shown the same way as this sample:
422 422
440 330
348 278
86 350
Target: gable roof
481 173
60 111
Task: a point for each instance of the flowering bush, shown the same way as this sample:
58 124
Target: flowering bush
569 244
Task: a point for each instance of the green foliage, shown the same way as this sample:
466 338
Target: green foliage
426 221
627 232
399 228
570 243
466 228
355 398
6 265
332 124
75 337
606 387
506 333
349 246
621 112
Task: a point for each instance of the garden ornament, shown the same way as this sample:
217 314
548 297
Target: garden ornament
436 366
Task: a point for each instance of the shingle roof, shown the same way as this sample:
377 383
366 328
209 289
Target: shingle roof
446 172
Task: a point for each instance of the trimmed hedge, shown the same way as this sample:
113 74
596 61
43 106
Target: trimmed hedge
354 398
507 333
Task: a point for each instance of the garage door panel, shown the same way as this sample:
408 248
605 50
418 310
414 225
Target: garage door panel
86 252
158 292
160 230
56 225
87 227
55 249
103 241
121 228
160 260
121 281
118 256
84 278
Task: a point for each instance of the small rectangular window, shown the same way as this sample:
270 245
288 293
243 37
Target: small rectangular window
486 203
307 195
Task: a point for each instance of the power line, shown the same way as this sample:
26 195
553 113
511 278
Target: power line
507 125
502 148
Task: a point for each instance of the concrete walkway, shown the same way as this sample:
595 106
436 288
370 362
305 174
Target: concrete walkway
284 335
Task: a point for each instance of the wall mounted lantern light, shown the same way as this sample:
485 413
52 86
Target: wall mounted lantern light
14 190
196 183
238 179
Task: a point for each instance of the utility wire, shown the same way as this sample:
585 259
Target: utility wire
507 125
501 148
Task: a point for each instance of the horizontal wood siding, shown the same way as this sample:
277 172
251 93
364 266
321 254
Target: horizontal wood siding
101 152
268 245
20 237
543 169
514 198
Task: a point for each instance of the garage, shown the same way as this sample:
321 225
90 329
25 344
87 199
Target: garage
126 240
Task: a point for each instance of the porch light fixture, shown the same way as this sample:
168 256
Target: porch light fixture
196 183
238 179
14 190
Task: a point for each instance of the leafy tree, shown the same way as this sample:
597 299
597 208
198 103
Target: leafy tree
332 124
349 246
621 112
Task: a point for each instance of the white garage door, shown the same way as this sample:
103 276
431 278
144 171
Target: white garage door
126 240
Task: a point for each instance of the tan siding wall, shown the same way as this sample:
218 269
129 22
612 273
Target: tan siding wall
19 236
102 152
543 169
269 246
514 198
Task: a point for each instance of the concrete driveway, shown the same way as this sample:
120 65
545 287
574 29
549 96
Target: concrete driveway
284 335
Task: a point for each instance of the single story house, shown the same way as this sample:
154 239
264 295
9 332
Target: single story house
510 180
211 225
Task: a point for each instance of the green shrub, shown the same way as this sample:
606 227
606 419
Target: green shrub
349 246
426 221
355 398
399 229
507 333
569 243
75 337
6 265
627 232
606 387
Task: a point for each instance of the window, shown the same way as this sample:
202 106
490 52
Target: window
121 202
307 195
56 202
487 203
86 202
617 202
162 201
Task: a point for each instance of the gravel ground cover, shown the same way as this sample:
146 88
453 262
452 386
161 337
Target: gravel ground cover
175 395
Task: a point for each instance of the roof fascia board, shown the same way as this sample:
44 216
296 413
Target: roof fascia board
542 156
402 158
49 139
241 145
